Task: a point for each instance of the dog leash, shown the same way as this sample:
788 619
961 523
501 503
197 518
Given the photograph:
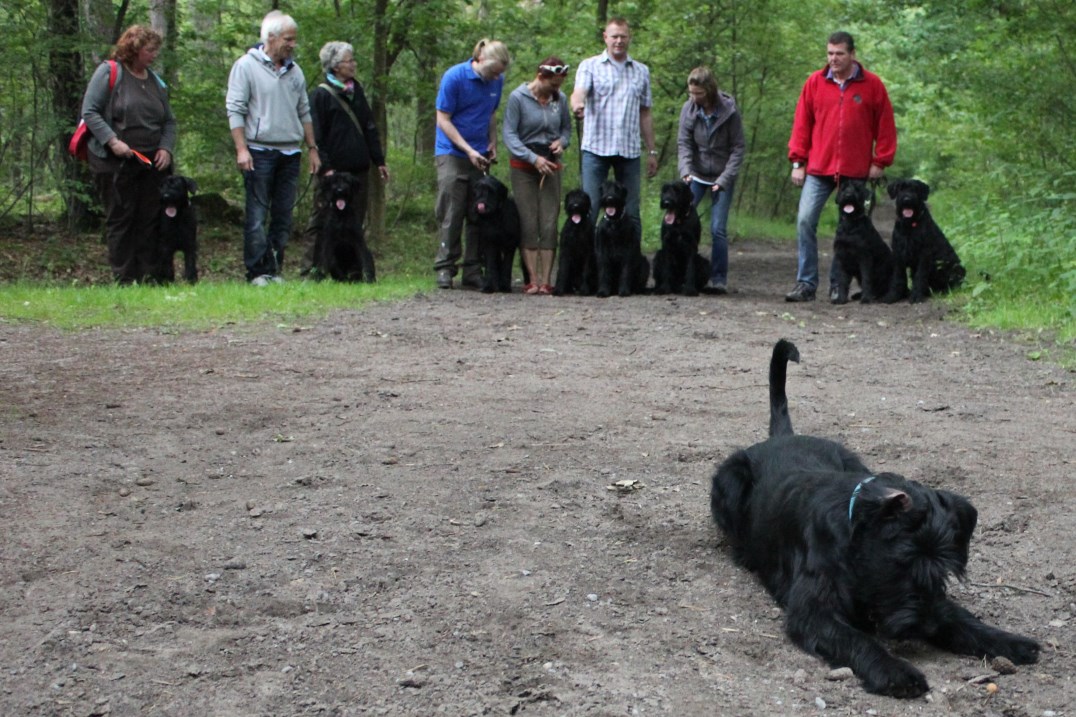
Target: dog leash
855 494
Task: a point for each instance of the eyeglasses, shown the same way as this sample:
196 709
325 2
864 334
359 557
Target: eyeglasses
554 69
350 60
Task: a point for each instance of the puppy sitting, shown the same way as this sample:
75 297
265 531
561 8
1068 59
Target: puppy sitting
576 270
493 222
340 249
177 227
858 248
849 553
678 268
617 245
920 246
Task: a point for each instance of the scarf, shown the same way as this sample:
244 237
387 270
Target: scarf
348 88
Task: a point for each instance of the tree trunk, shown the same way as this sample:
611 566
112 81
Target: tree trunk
66 85
162 18
375 205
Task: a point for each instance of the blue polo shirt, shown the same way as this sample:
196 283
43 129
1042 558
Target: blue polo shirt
471 101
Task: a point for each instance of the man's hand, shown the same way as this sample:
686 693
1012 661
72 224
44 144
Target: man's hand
799 175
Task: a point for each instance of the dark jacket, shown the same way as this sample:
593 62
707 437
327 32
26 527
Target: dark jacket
341 146
715 153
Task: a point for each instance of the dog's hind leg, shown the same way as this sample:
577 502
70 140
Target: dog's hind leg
190 265
730 493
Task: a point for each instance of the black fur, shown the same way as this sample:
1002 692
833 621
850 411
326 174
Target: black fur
858 248
493 221
177 229
852 556
618 246
577 271
678 268
920 246
340 249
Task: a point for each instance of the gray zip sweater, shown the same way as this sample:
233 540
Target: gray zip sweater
271 105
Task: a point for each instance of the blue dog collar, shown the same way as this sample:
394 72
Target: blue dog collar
855 494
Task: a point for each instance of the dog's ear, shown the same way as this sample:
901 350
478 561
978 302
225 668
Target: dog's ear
894 188
921 188
963 511
895 502
192 186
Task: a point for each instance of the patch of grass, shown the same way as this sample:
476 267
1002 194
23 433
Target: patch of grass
202 306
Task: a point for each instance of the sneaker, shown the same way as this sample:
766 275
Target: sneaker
275 279
802 292
444 279
262 280
716 287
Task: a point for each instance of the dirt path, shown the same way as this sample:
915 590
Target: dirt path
405 510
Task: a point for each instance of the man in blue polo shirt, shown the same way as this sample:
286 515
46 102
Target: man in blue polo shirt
612 97
466 145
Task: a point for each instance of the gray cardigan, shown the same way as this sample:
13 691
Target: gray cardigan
712 154
528 122
97 102
272 106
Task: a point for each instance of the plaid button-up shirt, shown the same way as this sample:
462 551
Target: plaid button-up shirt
614 96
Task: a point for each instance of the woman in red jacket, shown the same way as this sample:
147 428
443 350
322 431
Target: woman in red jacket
843 130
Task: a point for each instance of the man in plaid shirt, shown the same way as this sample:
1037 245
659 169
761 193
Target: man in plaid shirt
612 97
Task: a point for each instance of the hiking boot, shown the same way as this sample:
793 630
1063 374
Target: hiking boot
801 292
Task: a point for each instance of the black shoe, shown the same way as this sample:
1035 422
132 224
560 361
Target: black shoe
834 295
716 287
444 279
802 292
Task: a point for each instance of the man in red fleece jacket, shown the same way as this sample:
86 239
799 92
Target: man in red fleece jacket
843 130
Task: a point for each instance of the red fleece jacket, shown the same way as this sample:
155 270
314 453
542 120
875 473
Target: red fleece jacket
842 133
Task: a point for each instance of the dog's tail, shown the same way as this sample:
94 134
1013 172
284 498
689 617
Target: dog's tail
783 352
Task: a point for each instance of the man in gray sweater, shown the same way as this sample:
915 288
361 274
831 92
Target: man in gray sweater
269 115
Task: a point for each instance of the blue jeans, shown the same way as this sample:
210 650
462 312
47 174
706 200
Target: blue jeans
626 171
813 198
720 202
270 187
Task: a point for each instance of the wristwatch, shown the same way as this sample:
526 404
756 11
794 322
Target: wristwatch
797 165
653 153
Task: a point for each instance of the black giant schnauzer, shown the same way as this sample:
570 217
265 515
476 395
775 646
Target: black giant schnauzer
678 268
340 249
493 222
618 246
920 246
858 248
851 554
577 269
177 229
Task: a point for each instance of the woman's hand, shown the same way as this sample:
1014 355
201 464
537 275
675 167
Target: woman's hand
162 160
119 148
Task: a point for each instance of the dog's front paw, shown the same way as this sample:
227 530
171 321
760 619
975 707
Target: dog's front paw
1021 650
895 678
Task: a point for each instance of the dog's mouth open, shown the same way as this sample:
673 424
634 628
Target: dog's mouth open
670 217
849 208
610 212
341 204
577 219
481 208
907 213
170 212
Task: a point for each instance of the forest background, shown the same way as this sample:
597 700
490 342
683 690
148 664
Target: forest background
983 92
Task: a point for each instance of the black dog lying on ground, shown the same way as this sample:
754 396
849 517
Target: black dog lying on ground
858 248
678 268
340 249
177 229
849 553
618 246
576 271
493 222
920 246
